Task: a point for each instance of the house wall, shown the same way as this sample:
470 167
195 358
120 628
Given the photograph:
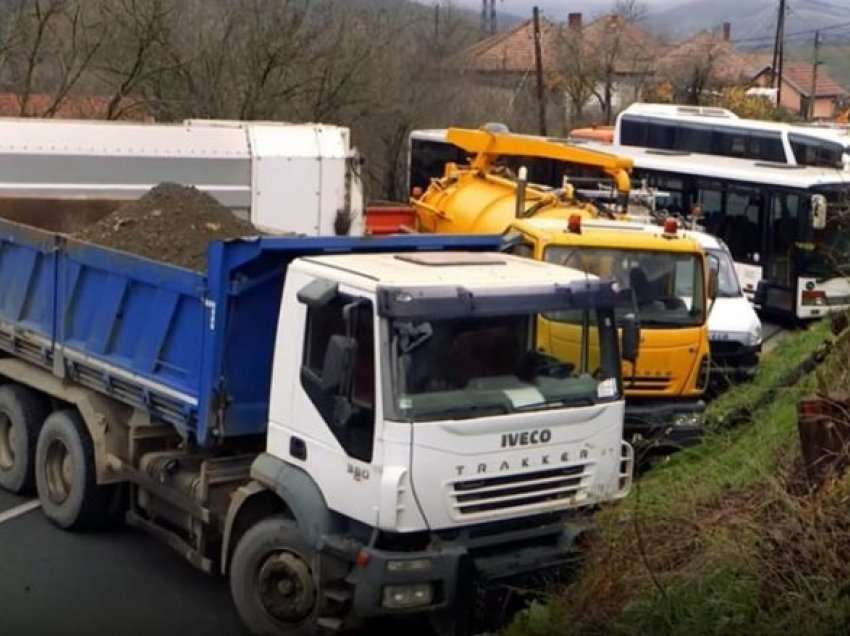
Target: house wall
824 108
793 101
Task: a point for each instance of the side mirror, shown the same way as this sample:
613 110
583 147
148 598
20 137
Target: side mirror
630 340
819 206
338 364
713 276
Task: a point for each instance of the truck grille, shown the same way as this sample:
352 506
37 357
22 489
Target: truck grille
647 383
725 347
538 489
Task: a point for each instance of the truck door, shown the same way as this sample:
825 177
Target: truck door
349 411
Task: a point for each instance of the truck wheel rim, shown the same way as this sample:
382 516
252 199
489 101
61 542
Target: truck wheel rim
7 443
286 587
59 470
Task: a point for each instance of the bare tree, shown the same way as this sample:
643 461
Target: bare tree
138 33
52 45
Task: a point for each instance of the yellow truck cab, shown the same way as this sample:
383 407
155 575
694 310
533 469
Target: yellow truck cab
665 280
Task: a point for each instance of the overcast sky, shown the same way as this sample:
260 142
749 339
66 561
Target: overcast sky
558 8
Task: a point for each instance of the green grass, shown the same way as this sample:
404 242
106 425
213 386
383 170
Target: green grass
717 540
776 369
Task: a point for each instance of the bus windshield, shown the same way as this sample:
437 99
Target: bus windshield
826 254
668 287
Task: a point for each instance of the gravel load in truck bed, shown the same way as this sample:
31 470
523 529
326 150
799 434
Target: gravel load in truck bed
171 223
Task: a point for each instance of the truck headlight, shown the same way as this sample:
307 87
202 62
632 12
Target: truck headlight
687 419
754 335
408 596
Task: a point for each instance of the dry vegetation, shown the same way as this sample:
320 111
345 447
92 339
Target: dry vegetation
727 538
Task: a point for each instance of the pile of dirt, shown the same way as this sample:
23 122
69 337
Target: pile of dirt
171 223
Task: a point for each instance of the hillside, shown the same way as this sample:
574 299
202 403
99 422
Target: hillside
751 19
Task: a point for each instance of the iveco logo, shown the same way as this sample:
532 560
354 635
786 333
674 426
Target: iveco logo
526 438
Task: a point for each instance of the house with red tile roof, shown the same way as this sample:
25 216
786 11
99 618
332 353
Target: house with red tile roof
72 107
617 54
796 93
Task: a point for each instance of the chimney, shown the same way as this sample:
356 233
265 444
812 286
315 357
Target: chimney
727 31
574 21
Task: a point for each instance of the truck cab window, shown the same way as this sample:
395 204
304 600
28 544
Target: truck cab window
354 430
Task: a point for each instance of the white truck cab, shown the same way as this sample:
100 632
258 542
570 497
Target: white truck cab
422 440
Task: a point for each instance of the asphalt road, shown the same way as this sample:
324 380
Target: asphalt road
111 584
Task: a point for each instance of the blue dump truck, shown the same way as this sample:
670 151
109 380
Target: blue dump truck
345 427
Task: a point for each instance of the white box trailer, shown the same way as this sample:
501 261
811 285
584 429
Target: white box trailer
284 178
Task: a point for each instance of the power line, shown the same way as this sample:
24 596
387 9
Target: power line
767 38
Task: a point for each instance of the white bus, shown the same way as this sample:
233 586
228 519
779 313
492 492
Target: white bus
787 226
717 131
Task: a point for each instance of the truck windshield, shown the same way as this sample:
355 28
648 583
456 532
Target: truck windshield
480 366
668 287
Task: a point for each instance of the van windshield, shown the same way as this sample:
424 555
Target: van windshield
727 280
470 367
668 287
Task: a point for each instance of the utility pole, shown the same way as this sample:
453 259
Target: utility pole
488 16
810 111
779 15
538 63
780 35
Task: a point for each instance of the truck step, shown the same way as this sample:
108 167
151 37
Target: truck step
338 595
331 624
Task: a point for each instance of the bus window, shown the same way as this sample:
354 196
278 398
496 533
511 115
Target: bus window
633 132
428 161
676 202
662 136
816 152
693 138
784 228
710 197
742 229
767 147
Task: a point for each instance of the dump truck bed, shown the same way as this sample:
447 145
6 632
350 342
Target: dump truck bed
193 349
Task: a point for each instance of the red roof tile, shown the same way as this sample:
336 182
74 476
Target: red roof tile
513 51
71 107
799 75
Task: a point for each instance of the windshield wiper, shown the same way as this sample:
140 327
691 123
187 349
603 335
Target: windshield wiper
540 406
466 409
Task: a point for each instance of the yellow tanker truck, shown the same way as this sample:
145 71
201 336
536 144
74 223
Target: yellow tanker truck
485 196
664 279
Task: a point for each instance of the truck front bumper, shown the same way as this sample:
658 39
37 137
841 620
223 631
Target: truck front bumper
733 361
456 568
665 424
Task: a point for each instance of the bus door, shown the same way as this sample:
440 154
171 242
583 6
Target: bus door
781 234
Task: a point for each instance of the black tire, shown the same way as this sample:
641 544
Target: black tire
65 474
273 538
22 413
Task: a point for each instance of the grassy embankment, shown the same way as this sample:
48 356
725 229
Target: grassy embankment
726 538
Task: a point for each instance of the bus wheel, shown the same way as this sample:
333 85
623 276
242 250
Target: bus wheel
65 474
271 580
22 412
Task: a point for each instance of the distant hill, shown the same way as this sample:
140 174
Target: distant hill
751 19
